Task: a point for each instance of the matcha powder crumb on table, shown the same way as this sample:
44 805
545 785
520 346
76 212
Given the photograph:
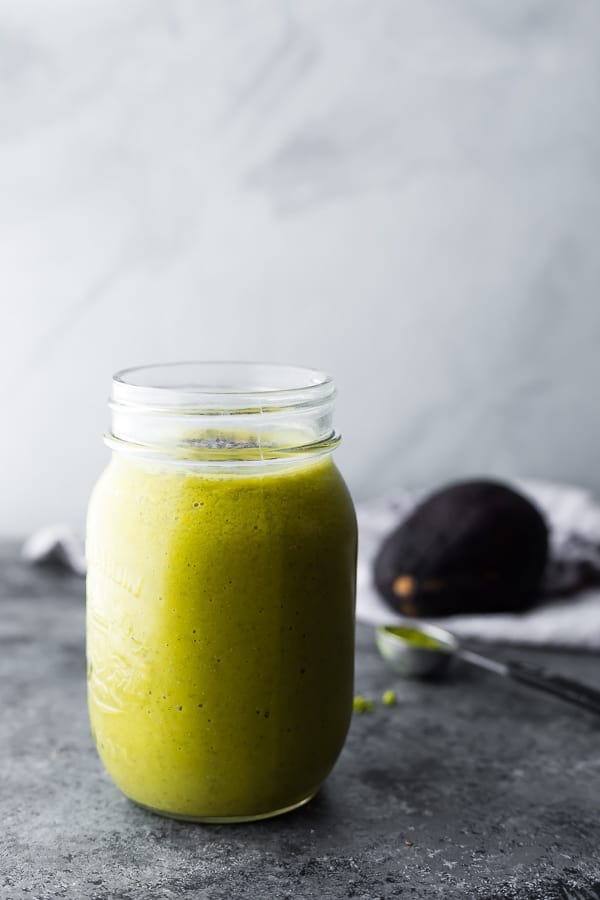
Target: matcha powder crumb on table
363 704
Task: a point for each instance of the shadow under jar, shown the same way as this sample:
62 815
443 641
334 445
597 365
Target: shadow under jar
221 545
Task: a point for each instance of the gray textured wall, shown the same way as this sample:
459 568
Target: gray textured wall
405 193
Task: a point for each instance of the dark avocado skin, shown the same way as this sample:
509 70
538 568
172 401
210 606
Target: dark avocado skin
473 547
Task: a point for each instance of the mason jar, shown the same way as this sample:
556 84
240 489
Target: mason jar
221 547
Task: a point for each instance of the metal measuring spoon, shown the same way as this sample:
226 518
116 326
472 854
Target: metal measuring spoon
418 650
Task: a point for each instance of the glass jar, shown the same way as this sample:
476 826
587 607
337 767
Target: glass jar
221 549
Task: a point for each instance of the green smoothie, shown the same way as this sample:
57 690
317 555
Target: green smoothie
220 633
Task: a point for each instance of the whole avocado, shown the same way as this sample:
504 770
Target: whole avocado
472 547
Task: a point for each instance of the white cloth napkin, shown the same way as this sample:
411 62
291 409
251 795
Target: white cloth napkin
57 544
572 621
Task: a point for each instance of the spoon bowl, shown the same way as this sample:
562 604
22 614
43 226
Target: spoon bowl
416 651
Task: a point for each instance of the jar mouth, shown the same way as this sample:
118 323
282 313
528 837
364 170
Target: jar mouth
222 411
205 387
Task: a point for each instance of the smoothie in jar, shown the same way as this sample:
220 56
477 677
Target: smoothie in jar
220 626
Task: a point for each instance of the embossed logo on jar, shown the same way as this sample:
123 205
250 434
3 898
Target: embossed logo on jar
113 570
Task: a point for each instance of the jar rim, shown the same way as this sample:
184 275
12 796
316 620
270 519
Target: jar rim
220 412
227 385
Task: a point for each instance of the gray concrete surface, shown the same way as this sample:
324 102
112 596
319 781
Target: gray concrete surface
468 789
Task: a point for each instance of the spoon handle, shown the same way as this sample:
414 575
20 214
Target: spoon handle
566 688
